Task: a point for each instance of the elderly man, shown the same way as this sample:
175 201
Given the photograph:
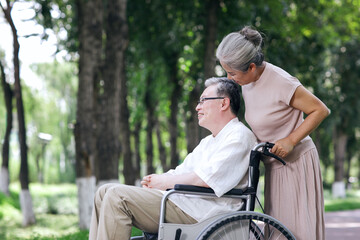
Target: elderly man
220 162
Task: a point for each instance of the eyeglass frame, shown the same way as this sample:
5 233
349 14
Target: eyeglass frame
202 100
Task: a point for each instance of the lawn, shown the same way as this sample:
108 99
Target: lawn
352 201
55 208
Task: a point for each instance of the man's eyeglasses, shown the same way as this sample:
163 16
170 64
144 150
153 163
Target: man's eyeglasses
202 100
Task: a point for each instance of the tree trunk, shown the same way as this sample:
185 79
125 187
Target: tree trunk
8 95
210 38
173 129
86 191
174 109
137 166
38 158
90 38
150 109
162 152
351 148
340 140
4 180
26 204
114 129
108 131
194 132
347 175
358 176
192 126
130 174
149 145
317 141
26 207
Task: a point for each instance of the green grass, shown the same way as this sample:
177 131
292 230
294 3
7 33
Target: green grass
352 201
55 208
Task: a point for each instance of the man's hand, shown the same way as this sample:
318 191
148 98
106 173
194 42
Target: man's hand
146 181
157 181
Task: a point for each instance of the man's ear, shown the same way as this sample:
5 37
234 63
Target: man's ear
225 104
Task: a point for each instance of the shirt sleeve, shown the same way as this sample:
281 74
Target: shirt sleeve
287 88
228 165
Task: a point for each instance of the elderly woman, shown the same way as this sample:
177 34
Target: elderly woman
274 105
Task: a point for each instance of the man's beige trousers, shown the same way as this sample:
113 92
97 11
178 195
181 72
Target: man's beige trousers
118 207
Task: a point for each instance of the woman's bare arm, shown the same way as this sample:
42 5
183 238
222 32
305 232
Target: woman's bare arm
316 112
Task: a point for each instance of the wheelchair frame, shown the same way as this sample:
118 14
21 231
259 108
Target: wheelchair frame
168 231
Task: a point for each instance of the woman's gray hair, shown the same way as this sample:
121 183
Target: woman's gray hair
239 49
227 88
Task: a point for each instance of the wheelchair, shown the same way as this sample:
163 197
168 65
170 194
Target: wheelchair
242 224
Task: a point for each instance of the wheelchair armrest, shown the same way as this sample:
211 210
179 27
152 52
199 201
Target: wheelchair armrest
192 188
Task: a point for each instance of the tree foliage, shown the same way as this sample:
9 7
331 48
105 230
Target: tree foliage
165 65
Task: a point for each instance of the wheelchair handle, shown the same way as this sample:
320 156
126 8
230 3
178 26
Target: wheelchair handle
266 146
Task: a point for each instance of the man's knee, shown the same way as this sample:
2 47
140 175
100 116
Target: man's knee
110 191
102 191
117 199
120 191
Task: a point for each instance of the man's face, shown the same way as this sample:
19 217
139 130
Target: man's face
208 109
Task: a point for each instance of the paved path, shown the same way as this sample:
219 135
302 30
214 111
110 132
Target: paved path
343 225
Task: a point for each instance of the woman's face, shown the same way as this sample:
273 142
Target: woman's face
240 77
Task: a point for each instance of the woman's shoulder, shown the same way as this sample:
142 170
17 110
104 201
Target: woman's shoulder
281 73
277 78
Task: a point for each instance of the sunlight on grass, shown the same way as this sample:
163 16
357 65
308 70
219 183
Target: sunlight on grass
47 225
9 212
55 208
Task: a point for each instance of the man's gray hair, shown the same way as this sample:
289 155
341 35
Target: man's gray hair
226 88
213 81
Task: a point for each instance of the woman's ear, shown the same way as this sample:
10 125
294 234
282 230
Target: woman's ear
252 67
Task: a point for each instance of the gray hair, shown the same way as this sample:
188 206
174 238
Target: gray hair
239 49
227 88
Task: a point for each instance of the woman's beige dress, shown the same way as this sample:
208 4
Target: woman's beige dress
293 193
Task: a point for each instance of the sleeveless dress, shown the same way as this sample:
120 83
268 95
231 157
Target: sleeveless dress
293 193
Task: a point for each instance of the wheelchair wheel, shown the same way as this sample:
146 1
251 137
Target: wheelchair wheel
246 225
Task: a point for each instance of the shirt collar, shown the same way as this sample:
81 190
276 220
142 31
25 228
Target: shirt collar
227 128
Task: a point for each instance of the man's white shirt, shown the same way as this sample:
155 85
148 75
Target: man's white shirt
222 162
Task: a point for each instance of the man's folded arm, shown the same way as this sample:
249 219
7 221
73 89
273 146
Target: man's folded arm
167 181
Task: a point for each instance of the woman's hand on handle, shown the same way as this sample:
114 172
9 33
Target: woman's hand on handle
282 147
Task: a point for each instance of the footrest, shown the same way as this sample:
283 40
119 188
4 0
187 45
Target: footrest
150 236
